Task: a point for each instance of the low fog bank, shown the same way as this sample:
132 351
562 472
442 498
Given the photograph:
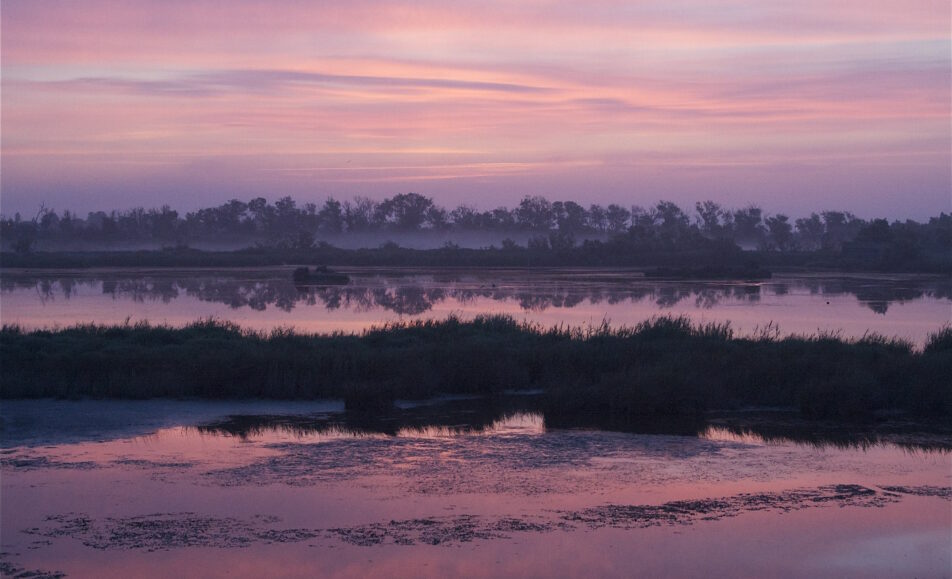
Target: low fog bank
356 240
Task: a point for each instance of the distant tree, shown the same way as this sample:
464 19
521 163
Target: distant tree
671 220
748 226
49 221
618 218
406 211
465 217
839 227
877 231
25 233
437 218
641 217
569 216
709 219
359 215
68 223
286 216
597 219
261 213
331 216
535 213
561 240
779 232
503 219
809 232
231 216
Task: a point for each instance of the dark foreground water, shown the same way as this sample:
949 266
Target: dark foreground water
909 307
453 488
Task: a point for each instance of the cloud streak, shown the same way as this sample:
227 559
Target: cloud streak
612 99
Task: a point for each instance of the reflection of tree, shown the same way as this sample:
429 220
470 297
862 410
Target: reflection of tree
670 296
707 298
406 300
749 293
142 289
879 294
533 302
416 295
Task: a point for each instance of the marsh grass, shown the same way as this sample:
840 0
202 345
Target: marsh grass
664 367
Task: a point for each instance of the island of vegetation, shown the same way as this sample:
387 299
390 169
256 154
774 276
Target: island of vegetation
665 367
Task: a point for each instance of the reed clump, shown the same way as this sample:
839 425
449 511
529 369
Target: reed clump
665 367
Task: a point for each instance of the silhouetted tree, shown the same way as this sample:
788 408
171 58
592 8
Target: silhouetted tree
535 213
331 216
779 232
618 218
809 232
406 211
748 226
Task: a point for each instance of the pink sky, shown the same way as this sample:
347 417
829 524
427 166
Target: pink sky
795 106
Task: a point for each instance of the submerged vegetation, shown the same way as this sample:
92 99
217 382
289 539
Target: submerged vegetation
665 367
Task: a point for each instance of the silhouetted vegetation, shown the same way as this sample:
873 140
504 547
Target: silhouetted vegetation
662 368
553 233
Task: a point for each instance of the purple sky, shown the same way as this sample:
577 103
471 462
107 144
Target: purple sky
795 106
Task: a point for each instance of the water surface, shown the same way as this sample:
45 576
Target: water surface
909 307
448 488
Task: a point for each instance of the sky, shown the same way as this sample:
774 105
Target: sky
795 106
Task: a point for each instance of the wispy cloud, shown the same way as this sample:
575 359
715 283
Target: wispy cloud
519 95
257 80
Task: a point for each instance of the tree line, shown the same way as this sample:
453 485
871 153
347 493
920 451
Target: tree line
550 224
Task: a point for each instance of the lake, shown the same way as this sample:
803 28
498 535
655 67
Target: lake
453 487
466 486
905 306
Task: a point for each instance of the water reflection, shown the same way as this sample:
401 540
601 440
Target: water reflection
482 417
464 495
439 418
911 437
417 293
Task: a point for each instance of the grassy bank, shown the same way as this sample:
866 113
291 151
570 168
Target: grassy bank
665 367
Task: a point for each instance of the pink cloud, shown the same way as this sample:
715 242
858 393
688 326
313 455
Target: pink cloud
497 95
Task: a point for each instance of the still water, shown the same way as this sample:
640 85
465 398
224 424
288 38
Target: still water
909 307
455 486
452 487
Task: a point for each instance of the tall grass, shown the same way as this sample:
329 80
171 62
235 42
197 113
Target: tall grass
662 367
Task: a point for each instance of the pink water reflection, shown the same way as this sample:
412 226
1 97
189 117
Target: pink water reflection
908 307
514 472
